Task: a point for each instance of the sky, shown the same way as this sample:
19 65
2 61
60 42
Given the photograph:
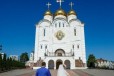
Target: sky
19 17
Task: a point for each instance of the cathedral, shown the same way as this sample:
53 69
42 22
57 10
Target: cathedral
60 39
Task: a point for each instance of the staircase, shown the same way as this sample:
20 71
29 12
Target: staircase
79 63
38 63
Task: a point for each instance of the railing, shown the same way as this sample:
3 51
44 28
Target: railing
51 54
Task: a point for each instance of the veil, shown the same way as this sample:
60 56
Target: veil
61 71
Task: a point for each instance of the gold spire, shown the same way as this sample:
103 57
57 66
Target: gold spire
48 12
60 12
71 12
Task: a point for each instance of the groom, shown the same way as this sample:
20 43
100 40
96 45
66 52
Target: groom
43 71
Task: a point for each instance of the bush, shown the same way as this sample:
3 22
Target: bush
9 64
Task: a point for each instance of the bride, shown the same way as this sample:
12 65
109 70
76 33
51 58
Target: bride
61 71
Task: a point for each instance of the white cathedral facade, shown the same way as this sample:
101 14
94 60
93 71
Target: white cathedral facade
60 39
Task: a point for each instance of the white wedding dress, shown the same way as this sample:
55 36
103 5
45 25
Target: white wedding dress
61 71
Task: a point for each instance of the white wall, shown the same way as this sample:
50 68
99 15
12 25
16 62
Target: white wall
50 39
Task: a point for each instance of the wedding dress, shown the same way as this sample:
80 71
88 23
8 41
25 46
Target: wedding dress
61 71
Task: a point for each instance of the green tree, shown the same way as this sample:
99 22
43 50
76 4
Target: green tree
24 57
91 61
0 62
7 64
10 63
4 62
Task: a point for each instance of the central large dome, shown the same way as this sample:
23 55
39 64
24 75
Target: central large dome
60 12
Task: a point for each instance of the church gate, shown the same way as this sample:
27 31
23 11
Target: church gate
67 63
51 64
58 62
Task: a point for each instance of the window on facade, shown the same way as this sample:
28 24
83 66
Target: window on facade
59 24
41 46
46 47
75 32
44 32
59 54
73 46
55 25
78 46
63 24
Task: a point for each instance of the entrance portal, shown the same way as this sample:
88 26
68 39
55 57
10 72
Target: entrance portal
58 62
67 63
51 64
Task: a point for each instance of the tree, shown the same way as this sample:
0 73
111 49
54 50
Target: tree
91 61
4 62
24 57
10 63
7 64
0 61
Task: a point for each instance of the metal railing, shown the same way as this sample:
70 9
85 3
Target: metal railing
51 54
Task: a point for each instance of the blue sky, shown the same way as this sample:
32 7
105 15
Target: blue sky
18 19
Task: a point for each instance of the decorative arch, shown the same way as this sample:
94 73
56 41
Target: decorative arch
67 63
51 64
60 52
58 62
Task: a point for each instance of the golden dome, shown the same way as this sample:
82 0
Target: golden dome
60 12
71 12
48 13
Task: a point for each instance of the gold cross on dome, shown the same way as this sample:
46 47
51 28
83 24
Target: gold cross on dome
71 4
48 4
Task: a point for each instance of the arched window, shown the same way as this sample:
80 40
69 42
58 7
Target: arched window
73 46
44 31
55 24
59 24
45 46
41 46
59 54
63 25
74 31
78 46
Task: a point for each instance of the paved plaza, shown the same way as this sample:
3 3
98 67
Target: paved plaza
85 72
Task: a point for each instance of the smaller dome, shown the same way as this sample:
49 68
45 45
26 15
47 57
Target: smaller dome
60 12
71 12
48 12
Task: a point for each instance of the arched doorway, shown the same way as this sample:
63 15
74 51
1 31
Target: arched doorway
59 52
51 64
58 62
67 63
